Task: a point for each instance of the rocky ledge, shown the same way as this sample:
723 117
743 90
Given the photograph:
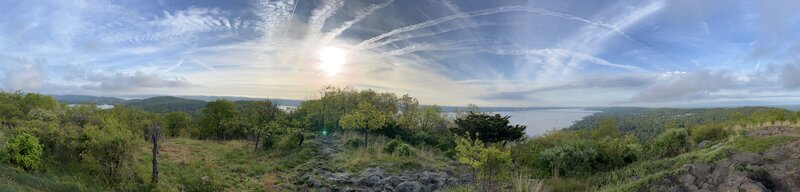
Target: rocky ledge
375 179
777 169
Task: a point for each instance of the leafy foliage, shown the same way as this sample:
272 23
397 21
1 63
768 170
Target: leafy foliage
570 159
488 128
490 162
219 120
178 123
670 143
366 118
24 151
711 132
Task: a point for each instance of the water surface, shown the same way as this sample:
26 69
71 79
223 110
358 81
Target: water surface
543 120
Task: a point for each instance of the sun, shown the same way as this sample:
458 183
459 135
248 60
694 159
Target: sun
331 60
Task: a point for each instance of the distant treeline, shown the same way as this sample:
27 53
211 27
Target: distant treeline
645 123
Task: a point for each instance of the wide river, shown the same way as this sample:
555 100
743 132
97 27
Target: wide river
541 121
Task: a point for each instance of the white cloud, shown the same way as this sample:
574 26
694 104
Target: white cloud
683 86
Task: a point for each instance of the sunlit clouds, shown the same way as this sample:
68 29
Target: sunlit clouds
496 53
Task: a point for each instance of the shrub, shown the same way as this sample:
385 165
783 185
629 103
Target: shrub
569 159
268 140
490 162
23 150
670 143
708 132
632 152
403 150
354 143
391 147
289 142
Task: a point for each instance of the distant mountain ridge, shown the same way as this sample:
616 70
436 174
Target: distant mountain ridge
164 104
80 99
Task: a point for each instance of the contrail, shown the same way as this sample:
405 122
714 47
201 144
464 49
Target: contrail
360 15
490 11
320 15
561 52
449 29
173 67
447 46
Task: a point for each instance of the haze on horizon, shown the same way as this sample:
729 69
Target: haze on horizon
447 52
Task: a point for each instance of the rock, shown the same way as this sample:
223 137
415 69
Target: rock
393 180
453 181
698 170
703 144
745 158
371 177
753 187
687 179
410 186
372 171
312 181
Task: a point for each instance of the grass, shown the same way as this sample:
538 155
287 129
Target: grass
198 165
760 144
650 171
356 159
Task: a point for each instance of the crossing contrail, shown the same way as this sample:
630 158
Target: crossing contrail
320 15
448 29
490 11
359 16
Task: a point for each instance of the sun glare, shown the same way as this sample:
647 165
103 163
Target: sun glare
331 60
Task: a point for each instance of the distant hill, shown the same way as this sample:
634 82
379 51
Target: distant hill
83 99
163 104
280 102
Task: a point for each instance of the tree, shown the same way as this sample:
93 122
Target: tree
431 119
365 118
24 151
178 123
218 117
488 128
607 128
410 113
490 163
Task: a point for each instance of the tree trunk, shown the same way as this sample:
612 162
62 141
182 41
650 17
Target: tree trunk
366 141
258 138
154 137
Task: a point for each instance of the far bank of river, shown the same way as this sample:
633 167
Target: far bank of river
541 121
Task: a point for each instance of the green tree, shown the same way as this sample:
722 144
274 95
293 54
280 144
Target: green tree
24 151
431 119
487 163
178 123
410 113
607 128
488 128
218 118
365 118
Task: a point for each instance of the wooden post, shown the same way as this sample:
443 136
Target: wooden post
155 132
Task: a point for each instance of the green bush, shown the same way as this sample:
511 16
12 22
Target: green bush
708 132
268 141
354 143
23 150
391 147
569 159
403 150
632 152
289 142
670 143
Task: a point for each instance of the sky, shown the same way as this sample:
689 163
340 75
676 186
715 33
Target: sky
516 53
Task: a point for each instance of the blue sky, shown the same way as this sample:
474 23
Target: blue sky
447 52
